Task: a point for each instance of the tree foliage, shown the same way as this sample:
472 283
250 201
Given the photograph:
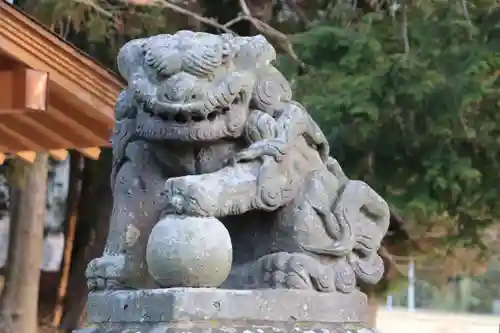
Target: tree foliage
413 108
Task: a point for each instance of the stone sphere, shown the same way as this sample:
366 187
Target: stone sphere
186 251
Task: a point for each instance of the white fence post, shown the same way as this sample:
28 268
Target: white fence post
411 287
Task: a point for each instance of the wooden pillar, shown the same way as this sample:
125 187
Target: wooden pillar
19 301
72 200
94 211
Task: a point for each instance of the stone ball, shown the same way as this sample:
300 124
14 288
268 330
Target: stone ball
186 251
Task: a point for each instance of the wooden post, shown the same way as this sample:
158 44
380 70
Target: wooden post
70 230
94 211
19 301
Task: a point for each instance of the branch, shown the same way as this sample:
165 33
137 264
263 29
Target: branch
463 3
96 7
292 4
181 10
266 29
261 26
404 27
393 260
237 19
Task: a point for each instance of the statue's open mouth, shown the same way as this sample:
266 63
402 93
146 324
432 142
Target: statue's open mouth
192 124
182 118
178 125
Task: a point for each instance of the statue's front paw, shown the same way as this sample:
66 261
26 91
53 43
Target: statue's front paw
106 273
267 147
187 199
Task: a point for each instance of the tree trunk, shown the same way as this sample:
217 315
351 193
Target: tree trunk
19 301
373 304
94 211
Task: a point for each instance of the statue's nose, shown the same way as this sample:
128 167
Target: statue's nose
178 95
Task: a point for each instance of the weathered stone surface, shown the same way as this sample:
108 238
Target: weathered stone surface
91 330
210 304
229 311
233 327
189 251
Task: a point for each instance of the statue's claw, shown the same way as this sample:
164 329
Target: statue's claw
106 273
297 271
267 147
185 198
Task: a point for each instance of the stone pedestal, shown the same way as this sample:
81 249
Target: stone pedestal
196 310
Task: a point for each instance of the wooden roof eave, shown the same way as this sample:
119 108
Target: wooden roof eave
71 72
79 93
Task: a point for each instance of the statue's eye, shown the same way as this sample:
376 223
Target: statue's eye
173 92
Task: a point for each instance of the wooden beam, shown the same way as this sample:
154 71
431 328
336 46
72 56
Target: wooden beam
86 136
59 154
45 131
72 112
51 130
48 137
18 139
23 90
35 135
28 156
92 153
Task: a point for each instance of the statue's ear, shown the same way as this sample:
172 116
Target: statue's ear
129 56
256 51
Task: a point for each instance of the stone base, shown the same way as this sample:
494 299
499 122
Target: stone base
203 310
229 328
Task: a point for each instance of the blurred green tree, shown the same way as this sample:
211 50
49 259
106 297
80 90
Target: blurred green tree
409 99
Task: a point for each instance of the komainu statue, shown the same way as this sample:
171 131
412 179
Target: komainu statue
207 132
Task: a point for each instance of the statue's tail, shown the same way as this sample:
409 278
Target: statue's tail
356 223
